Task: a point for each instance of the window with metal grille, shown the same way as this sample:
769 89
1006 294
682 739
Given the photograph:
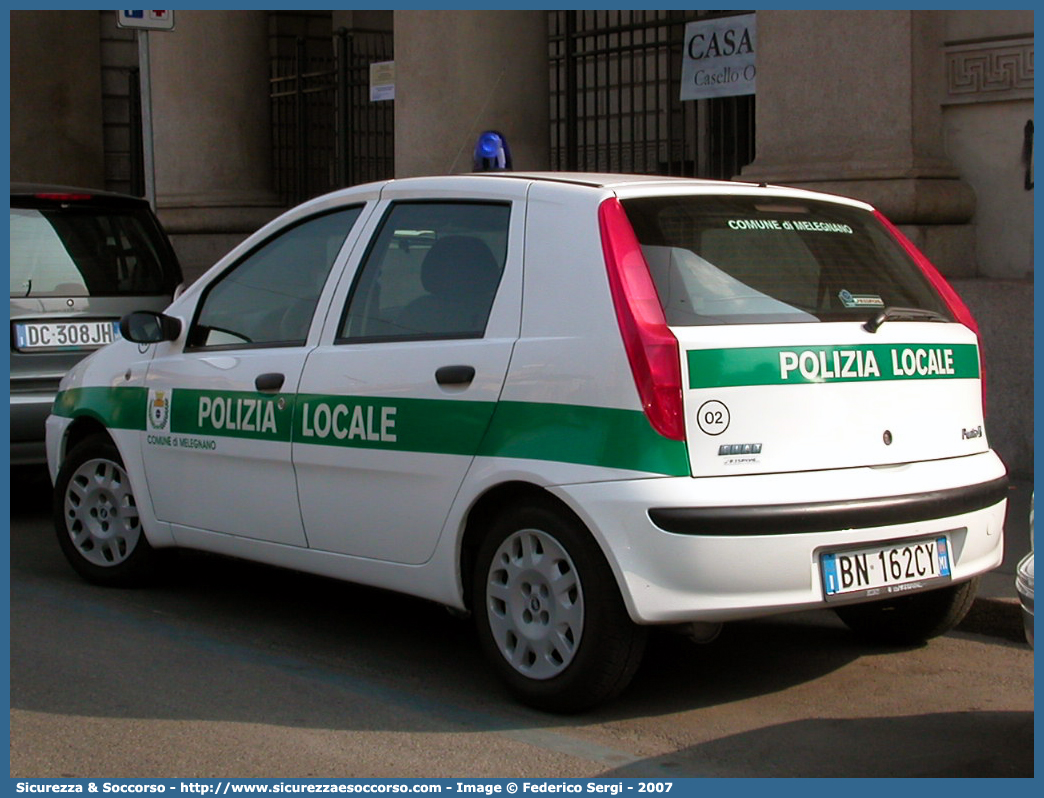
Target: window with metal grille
615 107
326 133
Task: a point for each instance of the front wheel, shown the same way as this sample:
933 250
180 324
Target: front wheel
911 619
96 516
549 613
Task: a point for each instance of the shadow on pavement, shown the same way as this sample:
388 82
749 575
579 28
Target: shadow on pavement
950 745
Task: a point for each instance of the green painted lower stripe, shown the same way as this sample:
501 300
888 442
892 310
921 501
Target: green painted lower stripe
230 414
583 435
604 437
438 426
721 368
116 408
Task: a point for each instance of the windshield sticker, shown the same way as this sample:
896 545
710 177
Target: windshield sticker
850 300
799 226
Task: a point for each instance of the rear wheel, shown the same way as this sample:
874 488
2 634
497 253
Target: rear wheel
911 619
549 614
96 516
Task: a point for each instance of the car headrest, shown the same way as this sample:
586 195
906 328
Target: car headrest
459 266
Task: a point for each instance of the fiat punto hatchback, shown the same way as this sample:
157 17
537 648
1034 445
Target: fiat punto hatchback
576 405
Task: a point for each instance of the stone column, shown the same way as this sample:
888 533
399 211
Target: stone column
212 134
458 73
849 102
56 98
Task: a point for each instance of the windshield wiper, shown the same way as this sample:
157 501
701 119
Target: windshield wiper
901 314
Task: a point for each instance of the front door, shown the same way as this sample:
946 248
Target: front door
221 403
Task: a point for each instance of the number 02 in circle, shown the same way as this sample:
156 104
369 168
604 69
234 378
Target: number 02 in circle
713 418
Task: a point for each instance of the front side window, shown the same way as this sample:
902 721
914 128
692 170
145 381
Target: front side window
269 297
432 272
748 260
94 252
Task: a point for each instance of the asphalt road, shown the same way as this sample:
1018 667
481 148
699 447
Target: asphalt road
228 669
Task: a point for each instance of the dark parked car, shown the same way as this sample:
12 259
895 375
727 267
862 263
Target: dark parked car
1024 584
80 259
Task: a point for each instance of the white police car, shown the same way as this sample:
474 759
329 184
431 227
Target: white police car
577 405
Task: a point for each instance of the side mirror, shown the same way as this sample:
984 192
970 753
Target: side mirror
148 327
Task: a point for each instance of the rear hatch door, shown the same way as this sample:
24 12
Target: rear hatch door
808 397
809 337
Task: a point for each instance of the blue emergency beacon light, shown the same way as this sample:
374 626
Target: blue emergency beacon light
492 152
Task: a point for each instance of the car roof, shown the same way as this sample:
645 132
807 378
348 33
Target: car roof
625 184
609 179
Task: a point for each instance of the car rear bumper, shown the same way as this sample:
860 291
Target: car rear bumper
820 516
700 574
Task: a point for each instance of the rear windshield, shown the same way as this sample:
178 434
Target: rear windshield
747 260
73 252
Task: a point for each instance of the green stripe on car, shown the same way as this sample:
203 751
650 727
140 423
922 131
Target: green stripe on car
116 408
596 436
804 365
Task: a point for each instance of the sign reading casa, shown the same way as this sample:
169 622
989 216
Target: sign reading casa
718 58
717 368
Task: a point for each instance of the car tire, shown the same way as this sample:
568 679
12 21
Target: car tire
549 614
911 619
96 517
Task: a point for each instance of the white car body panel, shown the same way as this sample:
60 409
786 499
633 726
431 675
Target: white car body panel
834 421
674 578
255 475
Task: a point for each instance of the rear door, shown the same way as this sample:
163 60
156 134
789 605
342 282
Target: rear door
771 299
393 406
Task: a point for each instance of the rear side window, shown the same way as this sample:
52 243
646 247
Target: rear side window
432 272
745 260
71 252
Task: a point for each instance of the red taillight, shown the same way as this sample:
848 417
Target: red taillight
652 349
63 197
956 305
953 302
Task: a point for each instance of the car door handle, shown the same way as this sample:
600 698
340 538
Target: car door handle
269 383
455 375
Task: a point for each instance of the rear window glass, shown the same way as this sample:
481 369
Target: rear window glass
729 260
86 252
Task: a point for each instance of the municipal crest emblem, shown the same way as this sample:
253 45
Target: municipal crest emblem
159 409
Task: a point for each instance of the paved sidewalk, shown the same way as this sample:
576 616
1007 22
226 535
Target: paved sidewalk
996 611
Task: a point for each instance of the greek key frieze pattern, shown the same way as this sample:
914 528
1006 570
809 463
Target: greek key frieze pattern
989 71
